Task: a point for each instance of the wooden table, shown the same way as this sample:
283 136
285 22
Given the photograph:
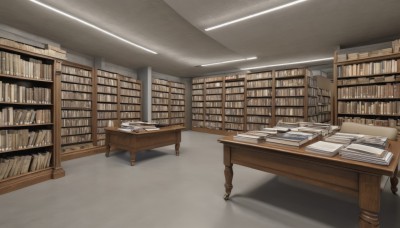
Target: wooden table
362 180
146 140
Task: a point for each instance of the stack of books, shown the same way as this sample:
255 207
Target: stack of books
252 136
324 148
138 126
343 138
374 141
291 138
363 153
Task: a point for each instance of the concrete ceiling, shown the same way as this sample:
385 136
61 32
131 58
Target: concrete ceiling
175 29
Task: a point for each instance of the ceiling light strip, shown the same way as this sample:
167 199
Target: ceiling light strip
229 61
291 63
255 15
92 26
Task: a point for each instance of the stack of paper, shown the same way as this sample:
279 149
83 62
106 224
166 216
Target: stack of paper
374 141
343 138
324 148
251 136
365 153
291 138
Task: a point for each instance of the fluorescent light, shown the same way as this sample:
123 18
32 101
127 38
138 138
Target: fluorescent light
255 15
229 61
92 26
285 64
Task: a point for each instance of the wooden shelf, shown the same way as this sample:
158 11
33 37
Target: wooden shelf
22 78
27 125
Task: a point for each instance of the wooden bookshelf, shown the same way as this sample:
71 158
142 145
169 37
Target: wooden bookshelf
130 93
242 102
107 103
324 103
177 103
29 128
367 88
198 104
168 102
259 96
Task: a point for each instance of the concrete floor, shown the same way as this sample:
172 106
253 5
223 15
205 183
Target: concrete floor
166 191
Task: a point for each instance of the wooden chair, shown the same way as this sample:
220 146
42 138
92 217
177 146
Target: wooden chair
389 132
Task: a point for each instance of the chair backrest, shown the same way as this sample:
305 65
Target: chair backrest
389 132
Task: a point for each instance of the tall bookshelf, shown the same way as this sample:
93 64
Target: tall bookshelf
29 130
198 105
367 87
214 103
243 102
160 101
177 103
259 100
324 102
234 107
130 91
107 103
77 124
295 96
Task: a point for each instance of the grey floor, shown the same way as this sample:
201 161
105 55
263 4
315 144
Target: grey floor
166 191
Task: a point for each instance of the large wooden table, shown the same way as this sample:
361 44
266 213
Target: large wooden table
146 140
362 180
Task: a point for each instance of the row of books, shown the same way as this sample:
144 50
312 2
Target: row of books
105 123
290 119
197 104
234 126
323 100
177 121
213 125
129 85
107 115
106 98
214 85
159 94
197 98
107 81
214 91
16 65
76 122
214 98
234 112
177 114
104 107
18 165
75 96
292 72
130 100
259 84
197 86
177 85
289 111
369 121
159 108
106 74
368 80
265 111
214 111
20 139
259 93
259 102
369 108
10 116
130 107
106 89
290 82
76 104
178 108
76 87
235 76
76 71
177 90
72 139
370 68
160 81
258 119
127 92
75 130
323 108
159 115
322 118
257 76
234 84
234 104
214 118
160 101
134 115
177 96
75 113
197 92
160 88
234 90
75 79
15 93
178 102
370 91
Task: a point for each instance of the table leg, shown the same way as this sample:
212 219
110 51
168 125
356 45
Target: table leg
369 200
108 148
228 181
394 181
133 157
177 145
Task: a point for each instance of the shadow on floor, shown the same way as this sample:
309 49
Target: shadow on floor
124 156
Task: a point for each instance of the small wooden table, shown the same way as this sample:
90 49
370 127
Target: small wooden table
146 140
362 180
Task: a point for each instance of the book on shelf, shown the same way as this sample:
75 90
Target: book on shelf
324 148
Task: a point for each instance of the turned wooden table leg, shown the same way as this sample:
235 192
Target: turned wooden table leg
133 157
393 182
108 148
228 172
369 200
177 145
228 181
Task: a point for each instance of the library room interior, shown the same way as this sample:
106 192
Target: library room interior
208 114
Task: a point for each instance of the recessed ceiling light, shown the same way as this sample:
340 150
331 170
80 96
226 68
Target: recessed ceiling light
285 64
255 15
229 61
92 26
